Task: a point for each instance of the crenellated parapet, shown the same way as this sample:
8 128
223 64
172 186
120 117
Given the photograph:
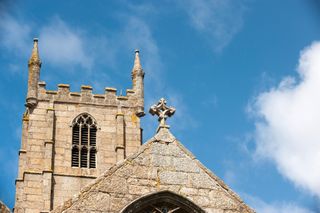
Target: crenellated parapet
37 91
86 96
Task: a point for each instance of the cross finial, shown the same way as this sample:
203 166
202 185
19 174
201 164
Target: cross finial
162 111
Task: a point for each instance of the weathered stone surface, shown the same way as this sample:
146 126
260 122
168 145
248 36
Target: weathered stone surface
168 167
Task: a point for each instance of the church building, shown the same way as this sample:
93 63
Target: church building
83 152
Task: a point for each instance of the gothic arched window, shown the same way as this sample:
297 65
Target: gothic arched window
83 152
162 202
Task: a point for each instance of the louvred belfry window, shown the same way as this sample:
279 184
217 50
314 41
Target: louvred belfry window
83 152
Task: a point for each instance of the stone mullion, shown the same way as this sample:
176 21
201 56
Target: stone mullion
88 150
80 146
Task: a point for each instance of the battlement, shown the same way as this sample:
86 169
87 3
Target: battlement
85 96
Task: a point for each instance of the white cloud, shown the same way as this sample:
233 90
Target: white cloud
287 120
14 34
137 34
219 20
182 119
61 45
210 102
230 177
277 207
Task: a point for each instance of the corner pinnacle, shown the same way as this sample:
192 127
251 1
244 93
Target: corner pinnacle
137 64
35 58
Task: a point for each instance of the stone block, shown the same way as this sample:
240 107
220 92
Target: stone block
162 161
35 148
172 177
201 181
29 210
189 191
116 185
171 150
139 189
33 184
142 182
36 161
136 171
32 191
34 197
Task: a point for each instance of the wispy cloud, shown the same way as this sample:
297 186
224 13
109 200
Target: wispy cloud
287 121
183 118
62 45
14 35
138 34
230 177
210 102
155 81
218 20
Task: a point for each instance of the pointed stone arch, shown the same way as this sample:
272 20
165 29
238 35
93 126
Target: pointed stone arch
162 202
84 136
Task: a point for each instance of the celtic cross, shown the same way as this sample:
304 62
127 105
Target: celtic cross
162 111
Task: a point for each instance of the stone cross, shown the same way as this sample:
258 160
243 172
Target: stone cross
162 111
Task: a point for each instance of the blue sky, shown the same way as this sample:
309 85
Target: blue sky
243 75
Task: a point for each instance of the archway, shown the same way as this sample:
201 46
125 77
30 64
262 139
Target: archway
162 202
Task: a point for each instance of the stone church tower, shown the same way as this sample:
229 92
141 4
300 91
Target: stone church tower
83 152
70 138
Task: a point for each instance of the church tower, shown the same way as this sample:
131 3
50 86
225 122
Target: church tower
70 138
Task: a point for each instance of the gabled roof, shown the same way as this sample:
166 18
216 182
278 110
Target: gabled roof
161 164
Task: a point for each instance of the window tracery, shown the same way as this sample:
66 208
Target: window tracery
163 202
84 134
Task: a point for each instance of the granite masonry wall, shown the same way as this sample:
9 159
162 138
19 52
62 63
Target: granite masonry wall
46 177
157 167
